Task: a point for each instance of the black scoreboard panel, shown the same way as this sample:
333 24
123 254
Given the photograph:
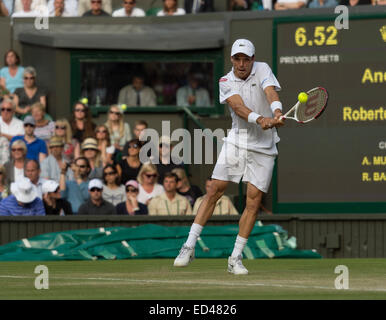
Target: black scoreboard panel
340 157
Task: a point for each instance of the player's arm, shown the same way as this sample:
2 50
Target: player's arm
274 102
238 106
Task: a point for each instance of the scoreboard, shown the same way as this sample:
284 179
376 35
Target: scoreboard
336 163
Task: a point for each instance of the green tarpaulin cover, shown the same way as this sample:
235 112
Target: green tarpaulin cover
151 241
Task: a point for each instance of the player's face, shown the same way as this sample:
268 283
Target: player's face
242 65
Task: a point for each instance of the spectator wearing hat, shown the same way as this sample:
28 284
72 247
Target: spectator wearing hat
131 206
113 190
10 126
55 162
53 202
36 148
169 203
4 150
129 10
166 162
75 191
193 95
96 205
15 166
23 201
32 172
90 151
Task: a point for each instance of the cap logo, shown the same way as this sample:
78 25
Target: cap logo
241 45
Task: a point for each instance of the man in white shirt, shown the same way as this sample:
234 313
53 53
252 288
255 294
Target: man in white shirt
27 11
129 10
137 94
10 126
63 8
249 150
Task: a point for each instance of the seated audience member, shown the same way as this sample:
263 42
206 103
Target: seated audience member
198 6
15 166
90 151
85 5
170 8
71 147
53 202
44 128
148 186
75 191
119 130
36 148
353 3
11 75
4 150
96 205
10 126
113 190
193 95
239 5
23 201
63 8
323 4
105 147
380 2
169 202
81 123
36 4
184 188
129 9
56 162
137 94
131 206
138 131
4 189
3 10
290 4
26 10
32 172
166 162
96 10
29 94
128 168
224 205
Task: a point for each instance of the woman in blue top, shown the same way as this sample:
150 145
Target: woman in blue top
11 76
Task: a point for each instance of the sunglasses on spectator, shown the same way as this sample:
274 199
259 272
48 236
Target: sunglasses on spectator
60 127
115 112
131 190
17 149
80 110
6 110
29 125
29 78
95 189
82 166
151 175
110 173
135 146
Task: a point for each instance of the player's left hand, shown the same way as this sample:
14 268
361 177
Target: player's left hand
278 122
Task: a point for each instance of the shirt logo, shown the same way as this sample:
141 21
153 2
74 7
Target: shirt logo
223 79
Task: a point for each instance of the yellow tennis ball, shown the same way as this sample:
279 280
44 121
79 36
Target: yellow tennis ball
84 101
123 107
302 97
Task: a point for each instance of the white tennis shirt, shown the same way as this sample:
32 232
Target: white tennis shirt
243 134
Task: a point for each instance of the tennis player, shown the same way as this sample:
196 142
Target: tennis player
249 151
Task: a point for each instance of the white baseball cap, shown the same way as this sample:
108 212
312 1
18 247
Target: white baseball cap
243 46
95 183
24 190
49 186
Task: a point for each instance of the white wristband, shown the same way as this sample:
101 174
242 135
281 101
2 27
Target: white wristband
253 116
276 105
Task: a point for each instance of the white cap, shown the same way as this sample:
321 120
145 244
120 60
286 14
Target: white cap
49 186
24 190
243 46
95 183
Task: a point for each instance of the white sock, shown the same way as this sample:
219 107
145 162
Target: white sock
194 233
239 246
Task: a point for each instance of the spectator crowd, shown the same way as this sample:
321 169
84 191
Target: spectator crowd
63 167
104 8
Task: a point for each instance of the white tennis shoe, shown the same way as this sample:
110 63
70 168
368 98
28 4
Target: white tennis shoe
236 266
185 256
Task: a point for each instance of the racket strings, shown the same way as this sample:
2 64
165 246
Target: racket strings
316 102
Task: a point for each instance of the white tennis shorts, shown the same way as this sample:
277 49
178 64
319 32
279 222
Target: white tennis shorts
235 163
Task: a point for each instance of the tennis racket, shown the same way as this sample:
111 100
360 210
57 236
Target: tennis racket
312 109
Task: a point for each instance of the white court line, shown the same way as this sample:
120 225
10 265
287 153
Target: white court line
203 282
